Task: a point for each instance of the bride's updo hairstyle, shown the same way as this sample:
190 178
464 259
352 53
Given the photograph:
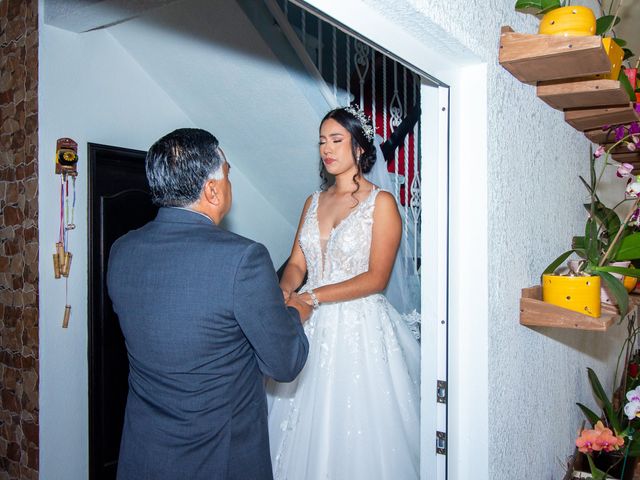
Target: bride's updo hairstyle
359 126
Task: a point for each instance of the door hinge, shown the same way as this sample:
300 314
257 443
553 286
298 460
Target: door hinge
441 391
441 443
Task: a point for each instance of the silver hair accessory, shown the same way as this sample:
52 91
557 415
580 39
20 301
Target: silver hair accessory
365 122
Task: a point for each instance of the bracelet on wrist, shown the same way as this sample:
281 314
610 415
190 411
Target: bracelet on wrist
314 299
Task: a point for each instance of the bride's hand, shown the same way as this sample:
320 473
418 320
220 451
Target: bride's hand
306 298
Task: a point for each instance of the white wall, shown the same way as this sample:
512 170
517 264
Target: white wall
535 376
91 90
210 59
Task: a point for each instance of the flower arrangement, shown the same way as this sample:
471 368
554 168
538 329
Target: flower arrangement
608 239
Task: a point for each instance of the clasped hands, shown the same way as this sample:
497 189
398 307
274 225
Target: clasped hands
301 302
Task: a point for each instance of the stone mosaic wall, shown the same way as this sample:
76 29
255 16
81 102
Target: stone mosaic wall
19 239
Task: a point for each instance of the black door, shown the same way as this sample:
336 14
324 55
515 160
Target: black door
119 201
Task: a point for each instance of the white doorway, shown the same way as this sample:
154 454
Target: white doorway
455 234
420 169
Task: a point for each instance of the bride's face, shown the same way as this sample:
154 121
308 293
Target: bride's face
335 148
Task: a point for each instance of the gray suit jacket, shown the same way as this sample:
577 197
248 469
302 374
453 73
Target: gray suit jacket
204 320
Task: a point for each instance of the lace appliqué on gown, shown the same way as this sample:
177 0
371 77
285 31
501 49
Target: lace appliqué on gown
353 412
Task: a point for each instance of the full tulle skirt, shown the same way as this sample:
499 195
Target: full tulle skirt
353 412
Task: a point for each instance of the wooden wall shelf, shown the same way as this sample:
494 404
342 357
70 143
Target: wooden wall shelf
593 118
628 157
563 95
536 313
601 137
562 69
536 58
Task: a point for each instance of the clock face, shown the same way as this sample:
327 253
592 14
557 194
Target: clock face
67 157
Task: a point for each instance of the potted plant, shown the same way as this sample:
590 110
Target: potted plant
612 445
607 238
559 17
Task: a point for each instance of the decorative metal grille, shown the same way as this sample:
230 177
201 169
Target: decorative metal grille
383 88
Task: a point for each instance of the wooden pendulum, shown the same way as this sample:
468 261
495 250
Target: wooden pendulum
67 264
61 258
67 314
56 265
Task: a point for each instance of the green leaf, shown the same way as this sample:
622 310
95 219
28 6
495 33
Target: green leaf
629 272
598 391
591 416
537 7
626 84
606 23
557 262
596 473
578 243
616 288
529 6
607 217
627 54
620 41
591 240
589 189
549 5
546 10
629 248
634 448
521 4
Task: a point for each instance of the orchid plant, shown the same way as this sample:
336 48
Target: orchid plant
616 432
607 238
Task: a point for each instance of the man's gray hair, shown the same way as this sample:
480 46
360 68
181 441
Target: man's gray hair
179 164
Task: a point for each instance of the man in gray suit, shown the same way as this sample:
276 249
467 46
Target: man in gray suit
204 321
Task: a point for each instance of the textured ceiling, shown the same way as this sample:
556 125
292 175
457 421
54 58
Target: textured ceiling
84 15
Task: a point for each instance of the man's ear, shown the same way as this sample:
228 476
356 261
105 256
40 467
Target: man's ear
211 193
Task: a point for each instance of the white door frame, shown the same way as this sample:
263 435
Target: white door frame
454 177
434 162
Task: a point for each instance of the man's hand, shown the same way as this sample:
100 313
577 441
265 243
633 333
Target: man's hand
303 309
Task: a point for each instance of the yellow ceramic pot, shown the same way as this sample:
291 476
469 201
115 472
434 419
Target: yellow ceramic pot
615 54
569 21
580 294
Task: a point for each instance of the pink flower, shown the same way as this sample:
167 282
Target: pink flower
624 170
599 151
631 146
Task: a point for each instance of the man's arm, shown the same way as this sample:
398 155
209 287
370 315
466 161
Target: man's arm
274 330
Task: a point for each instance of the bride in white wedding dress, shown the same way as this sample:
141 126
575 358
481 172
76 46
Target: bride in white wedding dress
353 412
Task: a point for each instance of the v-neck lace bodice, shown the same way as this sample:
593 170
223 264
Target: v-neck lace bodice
346 252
